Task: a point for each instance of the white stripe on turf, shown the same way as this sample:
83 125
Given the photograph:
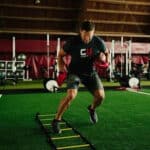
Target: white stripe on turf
135 91
0 95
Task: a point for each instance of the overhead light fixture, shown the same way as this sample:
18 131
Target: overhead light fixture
37 1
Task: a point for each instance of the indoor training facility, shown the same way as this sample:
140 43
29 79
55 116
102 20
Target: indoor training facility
32 35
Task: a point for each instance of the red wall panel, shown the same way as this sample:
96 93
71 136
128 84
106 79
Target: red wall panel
27 46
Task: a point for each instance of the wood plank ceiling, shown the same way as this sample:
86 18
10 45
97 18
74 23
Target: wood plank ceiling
113 18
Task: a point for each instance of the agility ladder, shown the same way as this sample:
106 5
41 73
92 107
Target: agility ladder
69 134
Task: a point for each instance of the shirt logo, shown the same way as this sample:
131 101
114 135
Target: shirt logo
86 52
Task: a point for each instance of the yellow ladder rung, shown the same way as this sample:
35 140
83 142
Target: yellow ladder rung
73 146
49 124
65 137
44 115
66 129
47 119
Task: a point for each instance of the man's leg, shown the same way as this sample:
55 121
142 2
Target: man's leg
65 102
95 86
72 85
99 96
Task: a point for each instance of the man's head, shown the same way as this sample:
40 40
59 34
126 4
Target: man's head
87 29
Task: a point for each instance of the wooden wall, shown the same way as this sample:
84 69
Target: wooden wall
113 18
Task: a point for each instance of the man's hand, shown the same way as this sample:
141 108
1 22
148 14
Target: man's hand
61 78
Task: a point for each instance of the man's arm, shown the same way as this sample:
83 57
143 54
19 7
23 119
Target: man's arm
107 56
103 57
61 63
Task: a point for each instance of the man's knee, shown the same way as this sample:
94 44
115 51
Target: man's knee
99 95
71 94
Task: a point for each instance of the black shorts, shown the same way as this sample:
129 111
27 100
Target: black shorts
91 81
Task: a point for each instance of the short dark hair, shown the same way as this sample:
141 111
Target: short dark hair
87 26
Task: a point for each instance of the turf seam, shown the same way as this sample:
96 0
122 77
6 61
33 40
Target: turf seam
138 92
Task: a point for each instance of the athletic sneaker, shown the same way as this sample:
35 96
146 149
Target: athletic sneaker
93 115
56 126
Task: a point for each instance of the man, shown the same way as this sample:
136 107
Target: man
84 50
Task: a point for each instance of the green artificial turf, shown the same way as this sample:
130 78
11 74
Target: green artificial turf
124 120
35 84
38 84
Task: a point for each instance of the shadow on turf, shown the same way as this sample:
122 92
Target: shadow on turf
42 90
20 91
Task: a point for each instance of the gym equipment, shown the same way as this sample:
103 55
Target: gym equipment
21 57
148 70
9 65
47 46
2 74
53 85
9 74
112 60
134 82
127 81
2 65
125 53
19 74
69 134
27 68
2 78
20 65
14 69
